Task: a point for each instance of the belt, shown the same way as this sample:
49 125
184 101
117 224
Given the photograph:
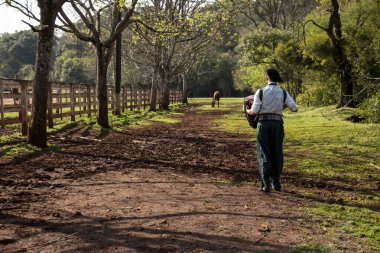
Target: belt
270 117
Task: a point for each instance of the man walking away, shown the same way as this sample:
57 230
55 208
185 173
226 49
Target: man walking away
270 129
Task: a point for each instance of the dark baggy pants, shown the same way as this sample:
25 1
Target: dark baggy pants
270 136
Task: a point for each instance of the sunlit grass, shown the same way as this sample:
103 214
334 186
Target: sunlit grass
360 222
225 104
23 148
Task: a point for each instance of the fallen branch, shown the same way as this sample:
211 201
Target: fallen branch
373 165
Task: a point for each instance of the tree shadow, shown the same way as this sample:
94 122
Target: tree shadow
246 174
104 234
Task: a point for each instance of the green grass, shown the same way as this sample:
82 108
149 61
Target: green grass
312 247
23 148
226 104
320 146
331 148
360 222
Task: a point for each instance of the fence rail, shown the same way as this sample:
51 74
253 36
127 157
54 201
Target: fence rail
65 100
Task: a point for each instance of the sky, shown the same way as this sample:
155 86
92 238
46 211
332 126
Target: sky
10 20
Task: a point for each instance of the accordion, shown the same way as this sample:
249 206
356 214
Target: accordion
252 120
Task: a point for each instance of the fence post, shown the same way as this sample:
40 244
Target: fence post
72 101
60 101
50 105
24 108
57 99
159 97
85 99
88 101
135 104
95 100
144 99
111 97
139 100
123 99
131 101
80 100
2 104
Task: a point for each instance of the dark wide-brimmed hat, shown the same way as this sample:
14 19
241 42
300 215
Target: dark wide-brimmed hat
274 75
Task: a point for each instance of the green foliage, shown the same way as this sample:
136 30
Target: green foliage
371 108
216 74
258 46
362 23
316 45
71 67
306 62
250 77
257 51
288 56
318 89
16 50
27 72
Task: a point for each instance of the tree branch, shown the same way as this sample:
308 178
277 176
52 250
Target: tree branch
74 29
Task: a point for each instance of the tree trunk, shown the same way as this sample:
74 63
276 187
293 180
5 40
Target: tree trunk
346 83
340 59
101 82
118 71
38 132
184 89
153 92
165 92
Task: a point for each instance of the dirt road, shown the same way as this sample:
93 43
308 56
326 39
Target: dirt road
165 188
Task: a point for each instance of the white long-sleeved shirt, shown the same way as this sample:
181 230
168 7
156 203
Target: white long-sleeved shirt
273 98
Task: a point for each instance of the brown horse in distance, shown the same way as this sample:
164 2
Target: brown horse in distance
215 98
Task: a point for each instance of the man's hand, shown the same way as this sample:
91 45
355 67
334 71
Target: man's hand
250 112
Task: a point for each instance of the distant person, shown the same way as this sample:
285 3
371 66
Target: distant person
270 129
215 98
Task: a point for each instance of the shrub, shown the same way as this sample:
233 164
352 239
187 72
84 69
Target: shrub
371 108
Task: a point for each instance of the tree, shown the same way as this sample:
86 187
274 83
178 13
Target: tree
70 67
280 14
272 40
342 63
16 50
361 23
178 33
258 52
101 28
48 13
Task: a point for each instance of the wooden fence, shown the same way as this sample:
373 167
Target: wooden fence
65 100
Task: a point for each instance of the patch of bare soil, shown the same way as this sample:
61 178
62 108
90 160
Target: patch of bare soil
165 188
